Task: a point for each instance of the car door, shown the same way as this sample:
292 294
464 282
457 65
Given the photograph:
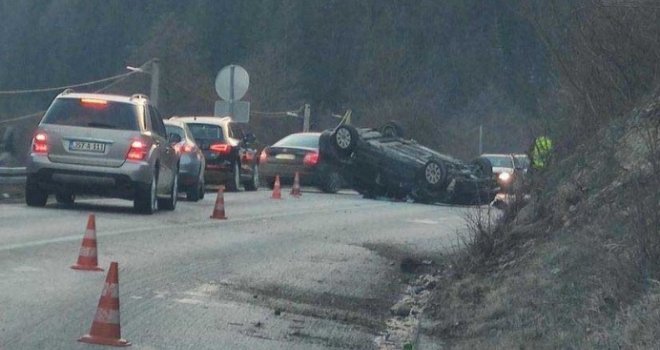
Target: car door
167 154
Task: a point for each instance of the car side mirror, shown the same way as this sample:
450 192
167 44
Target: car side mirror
174 138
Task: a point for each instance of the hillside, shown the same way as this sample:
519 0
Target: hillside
575 269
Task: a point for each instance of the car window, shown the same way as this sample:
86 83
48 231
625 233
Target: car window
501 161
156 122
173 129
205 131
92 113
521 161
299 140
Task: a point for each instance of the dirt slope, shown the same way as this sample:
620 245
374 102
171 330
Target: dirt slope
579 267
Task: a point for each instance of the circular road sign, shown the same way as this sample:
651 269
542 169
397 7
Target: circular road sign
232 82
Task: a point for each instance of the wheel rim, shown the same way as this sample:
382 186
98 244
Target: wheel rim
255 176
154 201
433 173
344 138
237 176
175 189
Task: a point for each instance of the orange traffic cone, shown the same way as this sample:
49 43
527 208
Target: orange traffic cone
219 209
277 191
87 259
295 190
106 329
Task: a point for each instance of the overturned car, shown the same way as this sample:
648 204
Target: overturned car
379 162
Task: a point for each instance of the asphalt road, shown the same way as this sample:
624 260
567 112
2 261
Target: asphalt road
317 272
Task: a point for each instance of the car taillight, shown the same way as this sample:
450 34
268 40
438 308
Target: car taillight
40 143
263 157
182 148
220 148
138 150
311 158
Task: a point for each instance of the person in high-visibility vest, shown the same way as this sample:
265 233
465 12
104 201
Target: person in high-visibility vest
540 152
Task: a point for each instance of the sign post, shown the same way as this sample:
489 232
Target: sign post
231 84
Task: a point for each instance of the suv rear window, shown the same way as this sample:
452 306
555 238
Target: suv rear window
205 131
92 113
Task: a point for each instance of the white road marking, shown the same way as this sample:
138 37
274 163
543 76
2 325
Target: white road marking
423 221
209 223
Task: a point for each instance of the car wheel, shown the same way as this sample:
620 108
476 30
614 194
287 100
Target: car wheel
485 167
34 195
202 188
253 184
344 139
145 200
331 183
65 198
270 182
391 129
434 174
170 202
235 182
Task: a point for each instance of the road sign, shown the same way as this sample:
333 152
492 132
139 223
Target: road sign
232 83
237 110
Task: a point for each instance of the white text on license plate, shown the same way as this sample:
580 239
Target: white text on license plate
87 146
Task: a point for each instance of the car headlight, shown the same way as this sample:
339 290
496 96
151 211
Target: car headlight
504 177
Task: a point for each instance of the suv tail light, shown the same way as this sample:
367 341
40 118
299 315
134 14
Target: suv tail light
263 156
311 158
138 150
220 148
40 143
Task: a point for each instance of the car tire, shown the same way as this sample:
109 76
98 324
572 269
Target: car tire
234 183
170 202
34 195
344 139
391 129
202 188
65 198
331 183
253 184
485 167
146 201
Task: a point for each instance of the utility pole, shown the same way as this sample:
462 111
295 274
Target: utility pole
155 81
481 137
306 116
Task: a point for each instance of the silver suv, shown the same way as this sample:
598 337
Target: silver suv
107 145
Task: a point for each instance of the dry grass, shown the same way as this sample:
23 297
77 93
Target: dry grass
576 269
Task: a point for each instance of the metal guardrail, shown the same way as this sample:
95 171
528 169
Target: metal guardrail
12 175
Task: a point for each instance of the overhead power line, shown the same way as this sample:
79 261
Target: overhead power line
32 91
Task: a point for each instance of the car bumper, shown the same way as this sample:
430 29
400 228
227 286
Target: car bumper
309 176
86 179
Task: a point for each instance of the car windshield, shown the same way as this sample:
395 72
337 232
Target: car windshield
500 161
299 140
205 131
92 113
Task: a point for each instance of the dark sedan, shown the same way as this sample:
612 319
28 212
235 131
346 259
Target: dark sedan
299 153
191 163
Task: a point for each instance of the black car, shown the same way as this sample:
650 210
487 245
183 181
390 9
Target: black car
299 153
381 163
229 150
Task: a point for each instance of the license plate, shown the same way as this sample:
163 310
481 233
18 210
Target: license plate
85 146
285 156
